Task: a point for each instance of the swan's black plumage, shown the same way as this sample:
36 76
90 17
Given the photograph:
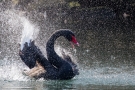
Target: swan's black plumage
55 66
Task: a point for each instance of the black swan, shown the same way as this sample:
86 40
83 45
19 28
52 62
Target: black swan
55 67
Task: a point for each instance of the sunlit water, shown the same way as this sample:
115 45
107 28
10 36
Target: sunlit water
19 30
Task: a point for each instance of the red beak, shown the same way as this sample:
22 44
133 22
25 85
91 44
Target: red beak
74 42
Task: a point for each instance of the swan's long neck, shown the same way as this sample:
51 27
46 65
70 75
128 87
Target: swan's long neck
51 41
51 54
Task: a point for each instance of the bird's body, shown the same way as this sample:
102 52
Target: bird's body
55 67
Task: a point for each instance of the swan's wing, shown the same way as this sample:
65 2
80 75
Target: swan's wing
29 54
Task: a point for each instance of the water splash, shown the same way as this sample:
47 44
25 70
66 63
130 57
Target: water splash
15 28
12 70
18 28
28 32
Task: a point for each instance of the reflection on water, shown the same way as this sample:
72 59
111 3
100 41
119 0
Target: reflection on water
59 85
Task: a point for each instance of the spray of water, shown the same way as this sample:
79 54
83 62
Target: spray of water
29 32
15 28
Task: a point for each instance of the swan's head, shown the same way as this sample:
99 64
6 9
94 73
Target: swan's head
70 36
